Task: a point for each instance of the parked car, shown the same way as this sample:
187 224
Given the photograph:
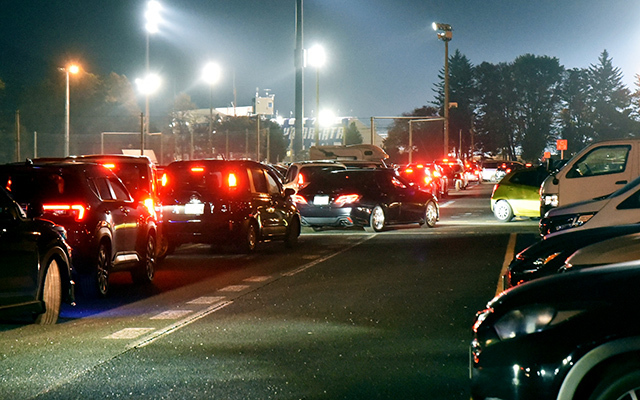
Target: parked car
548 256
35 271
518 194
219 201
107 230
299 174
614 250
621 207
568 336
139 174
370 198
596 171
495 170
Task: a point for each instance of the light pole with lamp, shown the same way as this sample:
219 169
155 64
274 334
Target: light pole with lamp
444 33
73 69
211 74
317 57
152 17
147 86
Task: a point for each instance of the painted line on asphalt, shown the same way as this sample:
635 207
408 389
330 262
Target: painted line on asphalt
447 204
327 257
508 256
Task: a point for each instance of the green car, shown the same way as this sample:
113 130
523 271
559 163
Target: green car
518 194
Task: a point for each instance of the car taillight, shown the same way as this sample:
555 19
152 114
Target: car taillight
346 199
77 211
427 180
109 165
148 203
298 199
197 169
164 180
232 181
436 174
408 171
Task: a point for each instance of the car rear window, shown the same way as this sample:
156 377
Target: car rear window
205 179
42 185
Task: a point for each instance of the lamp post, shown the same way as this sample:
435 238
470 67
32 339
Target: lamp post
211 74
73 69
317 58
444 33
152 18
147 86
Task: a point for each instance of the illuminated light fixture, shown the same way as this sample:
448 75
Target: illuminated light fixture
164 180
76 209
152 16
346 199
197 169
109 166
233 182
149 84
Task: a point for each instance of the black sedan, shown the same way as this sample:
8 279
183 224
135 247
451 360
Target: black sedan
567 336
371 198
35 276
547 256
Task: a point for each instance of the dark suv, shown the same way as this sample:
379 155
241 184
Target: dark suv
107 229
35 274
139 174
217 201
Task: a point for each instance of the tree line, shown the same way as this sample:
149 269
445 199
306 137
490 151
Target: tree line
518 109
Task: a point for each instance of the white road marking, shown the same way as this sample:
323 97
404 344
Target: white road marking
172 314
447 204
257 279
234 288
129 333
207 300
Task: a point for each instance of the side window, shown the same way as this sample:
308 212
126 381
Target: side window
259 180
291 173
103 188
119 190
272 185
601 161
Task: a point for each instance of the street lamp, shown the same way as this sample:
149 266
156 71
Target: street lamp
152 18
444 33
317 58
211 74
73 69
147 86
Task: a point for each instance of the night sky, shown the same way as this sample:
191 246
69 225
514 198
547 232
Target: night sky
383 56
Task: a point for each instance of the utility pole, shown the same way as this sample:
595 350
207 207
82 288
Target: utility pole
299 99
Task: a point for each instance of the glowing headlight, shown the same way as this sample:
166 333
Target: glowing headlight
530 320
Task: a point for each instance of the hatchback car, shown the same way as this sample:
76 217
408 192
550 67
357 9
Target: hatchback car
568 336
219 201
107 230
35 272
518 194
621 207
370 198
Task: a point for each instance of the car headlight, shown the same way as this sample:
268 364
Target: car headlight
529 320
550 200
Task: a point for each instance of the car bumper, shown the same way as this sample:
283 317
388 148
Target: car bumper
334 216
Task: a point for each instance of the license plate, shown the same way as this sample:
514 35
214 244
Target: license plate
194 209
321 200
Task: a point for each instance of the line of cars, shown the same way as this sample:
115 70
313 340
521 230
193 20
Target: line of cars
565 326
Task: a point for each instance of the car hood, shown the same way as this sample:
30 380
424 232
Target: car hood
616 250
582 207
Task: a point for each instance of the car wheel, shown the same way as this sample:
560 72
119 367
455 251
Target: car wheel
147 269
51 295
293 232
163 248
431 214
458 185
376 220
502 211
619 384
96 283
249 238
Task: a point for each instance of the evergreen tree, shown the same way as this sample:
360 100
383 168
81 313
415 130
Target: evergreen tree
573 117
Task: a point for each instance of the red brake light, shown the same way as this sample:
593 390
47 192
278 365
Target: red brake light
300 179
232 181
298 199
427 179
419 166
197 169
148 203
77 211
346 199
164 180
109 165
408 171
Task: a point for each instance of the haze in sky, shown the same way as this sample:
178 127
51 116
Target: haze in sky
383 57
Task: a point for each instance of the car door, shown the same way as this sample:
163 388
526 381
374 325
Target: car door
19 250
130 224
265 203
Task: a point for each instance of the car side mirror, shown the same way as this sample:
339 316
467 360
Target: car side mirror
35 210
288 192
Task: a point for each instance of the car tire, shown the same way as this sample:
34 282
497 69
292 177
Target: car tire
431 214
458 185
376 220
96 283
163 248
51 295
146 270
293 232
502 211
249 238
618 383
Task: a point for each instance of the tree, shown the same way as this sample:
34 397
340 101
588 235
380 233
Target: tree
427 137
609 100
462 91
352 134
573 117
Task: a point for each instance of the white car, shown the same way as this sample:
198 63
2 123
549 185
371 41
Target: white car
620 207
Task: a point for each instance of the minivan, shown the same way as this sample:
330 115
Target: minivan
596 171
